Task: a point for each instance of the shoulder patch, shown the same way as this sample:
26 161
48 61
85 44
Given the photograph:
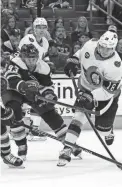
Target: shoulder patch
31 39
94 39
117 64
87 55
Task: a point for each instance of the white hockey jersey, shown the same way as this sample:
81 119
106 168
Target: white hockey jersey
42 47
101 76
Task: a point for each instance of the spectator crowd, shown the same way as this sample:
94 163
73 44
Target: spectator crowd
62 43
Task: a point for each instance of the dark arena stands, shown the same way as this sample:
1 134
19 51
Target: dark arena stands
71 12
70 24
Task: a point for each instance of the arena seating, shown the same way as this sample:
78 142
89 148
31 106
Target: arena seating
70 16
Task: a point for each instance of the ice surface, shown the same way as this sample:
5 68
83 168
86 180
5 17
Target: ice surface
41 170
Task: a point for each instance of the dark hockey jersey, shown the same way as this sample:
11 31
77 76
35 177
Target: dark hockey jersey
17 71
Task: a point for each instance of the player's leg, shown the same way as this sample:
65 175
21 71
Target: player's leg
72 135
18 132
104 123
14 100
7 156
55 122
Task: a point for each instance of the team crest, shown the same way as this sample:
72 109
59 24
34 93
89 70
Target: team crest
93 76
31 39
87 55
117 64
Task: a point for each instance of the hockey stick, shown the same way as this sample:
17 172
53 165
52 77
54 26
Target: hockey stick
38 97
91 123
39 132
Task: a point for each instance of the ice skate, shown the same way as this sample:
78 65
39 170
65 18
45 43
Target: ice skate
22 152
77 152
110 138
65 156
35 136
12 161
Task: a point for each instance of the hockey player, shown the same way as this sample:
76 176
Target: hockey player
7 116
98 86
40 26
29 76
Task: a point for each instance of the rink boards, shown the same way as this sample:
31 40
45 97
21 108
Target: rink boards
65 91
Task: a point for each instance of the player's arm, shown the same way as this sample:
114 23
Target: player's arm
109 87
13 76
73 63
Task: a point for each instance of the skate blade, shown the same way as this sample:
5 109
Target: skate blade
62 163
79 156
16 167
23 157
37 139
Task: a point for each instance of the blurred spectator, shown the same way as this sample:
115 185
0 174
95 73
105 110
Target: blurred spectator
12 44
109 10
5 4
59 4
57 58
93 7
5 60
9 8
117 12
83 39
62 40
59 22
23 3
81 28
76 46
8 27
119 48
31 3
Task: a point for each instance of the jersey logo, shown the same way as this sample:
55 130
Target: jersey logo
93 76
87 55
31 39
117 64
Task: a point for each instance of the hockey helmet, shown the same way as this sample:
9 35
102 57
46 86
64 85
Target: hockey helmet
108 40
29 51
40 21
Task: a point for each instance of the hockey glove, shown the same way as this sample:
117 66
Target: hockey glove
86 101
72 65
49 94
29 89
4 84
52 67
7 116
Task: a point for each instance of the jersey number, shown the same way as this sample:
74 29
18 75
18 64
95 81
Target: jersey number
112 86
13 68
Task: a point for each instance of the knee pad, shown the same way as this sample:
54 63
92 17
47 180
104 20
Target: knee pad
53 119
16 106
104 129
18 132
3 129
79 118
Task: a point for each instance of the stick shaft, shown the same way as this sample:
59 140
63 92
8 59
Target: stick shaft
39 132
66 105
91 123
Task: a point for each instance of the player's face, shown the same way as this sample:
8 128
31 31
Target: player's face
31 63
105 52
40 29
